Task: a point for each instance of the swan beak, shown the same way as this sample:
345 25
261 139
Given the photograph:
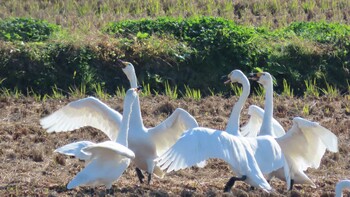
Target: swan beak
255 76
122 64
226 78
139 89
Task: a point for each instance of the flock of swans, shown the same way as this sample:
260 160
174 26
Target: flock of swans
256 152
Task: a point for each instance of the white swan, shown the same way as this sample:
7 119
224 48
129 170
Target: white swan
303 145
340 186
252 127
199 144
265 149
146 143
105 161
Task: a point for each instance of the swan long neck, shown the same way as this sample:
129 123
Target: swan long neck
266 127
133 80
233 122
136 117
123 133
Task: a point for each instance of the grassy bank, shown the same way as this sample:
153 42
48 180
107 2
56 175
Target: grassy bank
82 39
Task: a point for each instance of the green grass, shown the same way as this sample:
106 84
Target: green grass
99 91
78 91
120 92
287 90
311 89
192 93
81 37
88 16
169 91
330 91
146 89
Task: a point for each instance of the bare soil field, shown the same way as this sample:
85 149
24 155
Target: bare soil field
29 167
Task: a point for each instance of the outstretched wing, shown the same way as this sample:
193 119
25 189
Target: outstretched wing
74 149
200 144
108 161
168 132
84 112
252 128
305 144
107 148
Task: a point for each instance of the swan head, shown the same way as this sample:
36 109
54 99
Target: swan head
264 78
236 76
129 70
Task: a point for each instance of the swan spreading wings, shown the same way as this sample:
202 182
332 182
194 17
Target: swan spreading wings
199 144
146 143
106 161
303 145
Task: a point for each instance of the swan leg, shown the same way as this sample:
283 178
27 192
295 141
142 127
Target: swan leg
232 181
139 175
291 184
149 178
110 191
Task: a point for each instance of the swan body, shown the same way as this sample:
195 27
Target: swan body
252 128
340 186
303 145
146 143
267 151
105 161
199 144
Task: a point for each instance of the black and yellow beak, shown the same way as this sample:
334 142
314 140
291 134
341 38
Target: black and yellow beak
255 76
139 89
122 64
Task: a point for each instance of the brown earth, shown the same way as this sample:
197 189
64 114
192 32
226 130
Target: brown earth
28 166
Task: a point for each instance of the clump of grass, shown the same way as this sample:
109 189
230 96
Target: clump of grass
146 89
306 110
260 91
170 92
311 89
56 93
37 155
287 90
191 93
236 89
99 92
330 91
60 159
37 97
120 92
78 92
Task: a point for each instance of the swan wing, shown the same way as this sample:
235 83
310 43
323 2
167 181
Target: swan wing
102 170
84 112
200 144
107 148
305 144
252 128
74 149
166 133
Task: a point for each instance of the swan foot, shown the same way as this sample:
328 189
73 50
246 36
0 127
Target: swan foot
109 191
291 184
232 181
139 175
